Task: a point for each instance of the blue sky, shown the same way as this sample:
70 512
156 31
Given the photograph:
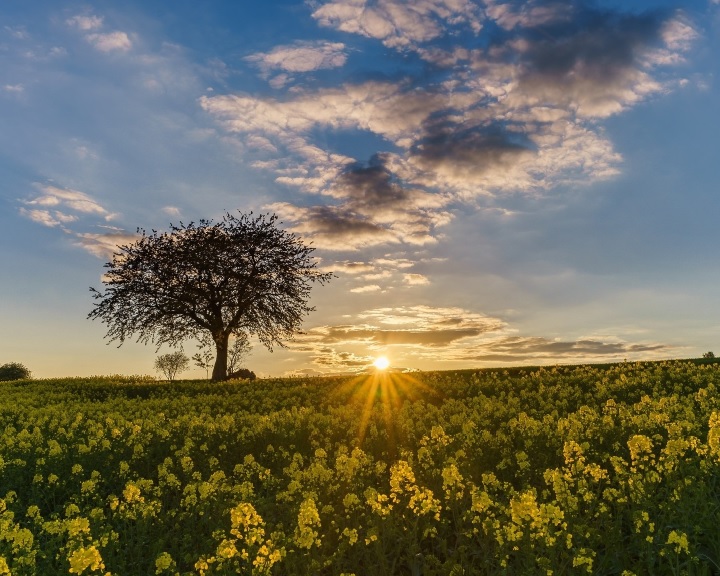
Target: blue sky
493 183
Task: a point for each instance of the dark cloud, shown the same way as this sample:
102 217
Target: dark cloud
433 337
515 349
470 153
334 227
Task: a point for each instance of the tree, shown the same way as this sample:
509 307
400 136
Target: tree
172 364
204 358
237 352
14 371
241 275
708 355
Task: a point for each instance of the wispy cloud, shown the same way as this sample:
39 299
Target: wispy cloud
91 25
85 22
110 41
66 209
48 218
104 245
66 198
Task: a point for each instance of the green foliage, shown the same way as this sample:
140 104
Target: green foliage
559 470
172 364
14 371
709 355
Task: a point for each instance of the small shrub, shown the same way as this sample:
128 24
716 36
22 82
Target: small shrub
243 373
171 364
14 371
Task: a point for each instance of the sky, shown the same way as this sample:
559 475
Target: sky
493 183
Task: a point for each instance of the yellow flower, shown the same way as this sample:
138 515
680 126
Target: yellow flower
680 540
227 549
132 493
163 562
351 534
308 518
84 558
78 526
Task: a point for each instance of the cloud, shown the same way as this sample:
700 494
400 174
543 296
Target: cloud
536 349
63 207
48 218
300 57
526 14
91 25
68 199
416 279
85 23
104 245
515 111
397 24
365 289
110 41
333 228
348 267
454 336
13 88
171 211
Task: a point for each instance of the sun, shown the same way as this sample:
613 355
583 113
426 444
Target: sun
381 363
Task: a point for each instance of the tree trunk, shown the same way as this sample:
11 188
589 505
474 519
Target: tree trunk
221 357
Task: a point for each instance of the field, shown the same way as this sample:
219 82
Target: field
558 470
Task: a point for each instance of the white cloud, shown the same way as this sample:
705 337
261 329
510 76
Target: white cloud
416 279
17 32
13 88
104 245
110 41
365 289
46 218
301 57
171 211
69 199
91 25
397 23
85 23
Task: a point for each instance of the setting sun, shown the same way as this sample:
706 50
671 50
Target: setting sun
381 363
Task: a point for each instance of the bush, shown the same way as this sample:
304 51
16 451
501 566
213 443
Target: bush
14 371
243 373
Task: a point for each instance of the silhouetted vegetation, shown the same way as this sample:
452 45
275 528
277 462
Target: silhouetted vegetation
239 276
14 371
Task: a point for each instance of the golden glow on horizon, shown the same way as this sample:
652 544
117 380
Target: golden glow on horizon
381 363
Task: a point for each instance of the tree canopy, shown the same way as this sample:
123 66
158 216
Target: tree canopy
14 371
241 275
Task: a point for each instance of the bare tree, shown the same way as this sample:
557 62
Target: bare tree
172 364
204 358
241 275
238 351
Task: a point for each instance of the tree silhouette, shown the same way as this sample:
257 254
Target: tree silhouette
242 275
172 364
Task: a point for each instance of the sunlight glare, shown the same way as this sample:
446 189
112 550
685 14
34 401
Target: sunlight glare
381 363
